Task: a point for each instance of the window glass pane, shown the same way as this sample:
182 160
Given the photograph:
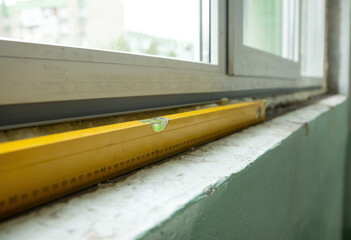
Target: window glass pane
272 26
169 28
312 39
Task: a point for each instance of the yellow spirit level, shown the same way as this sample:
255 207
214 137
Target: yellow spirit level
40 169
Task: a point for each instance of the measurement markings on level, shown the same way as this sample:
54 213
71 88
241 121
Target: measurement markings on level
28 183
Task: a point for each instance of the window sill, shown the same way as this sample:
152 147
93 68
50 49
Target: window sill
179 196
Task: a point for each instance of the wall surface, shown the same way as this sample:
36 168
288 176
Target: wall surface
338 45
282 179
338 77
347 190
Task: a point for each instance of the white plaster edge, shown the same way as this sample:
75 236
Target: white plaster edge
150 196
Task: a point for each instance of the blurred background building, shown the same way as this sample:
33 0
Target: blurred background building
84 23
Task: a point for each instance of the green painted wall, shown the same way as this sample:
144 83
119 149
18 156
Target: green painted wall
347 192
293 191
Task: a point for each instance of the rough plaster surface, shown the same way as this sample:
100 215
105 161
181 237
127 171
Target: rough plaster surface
155 200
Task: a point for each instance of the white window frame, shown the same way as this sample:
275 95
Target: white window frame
42 73
246 61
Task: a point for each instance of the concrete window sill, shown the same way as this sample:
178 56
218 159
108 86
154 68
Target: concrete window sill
260 183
